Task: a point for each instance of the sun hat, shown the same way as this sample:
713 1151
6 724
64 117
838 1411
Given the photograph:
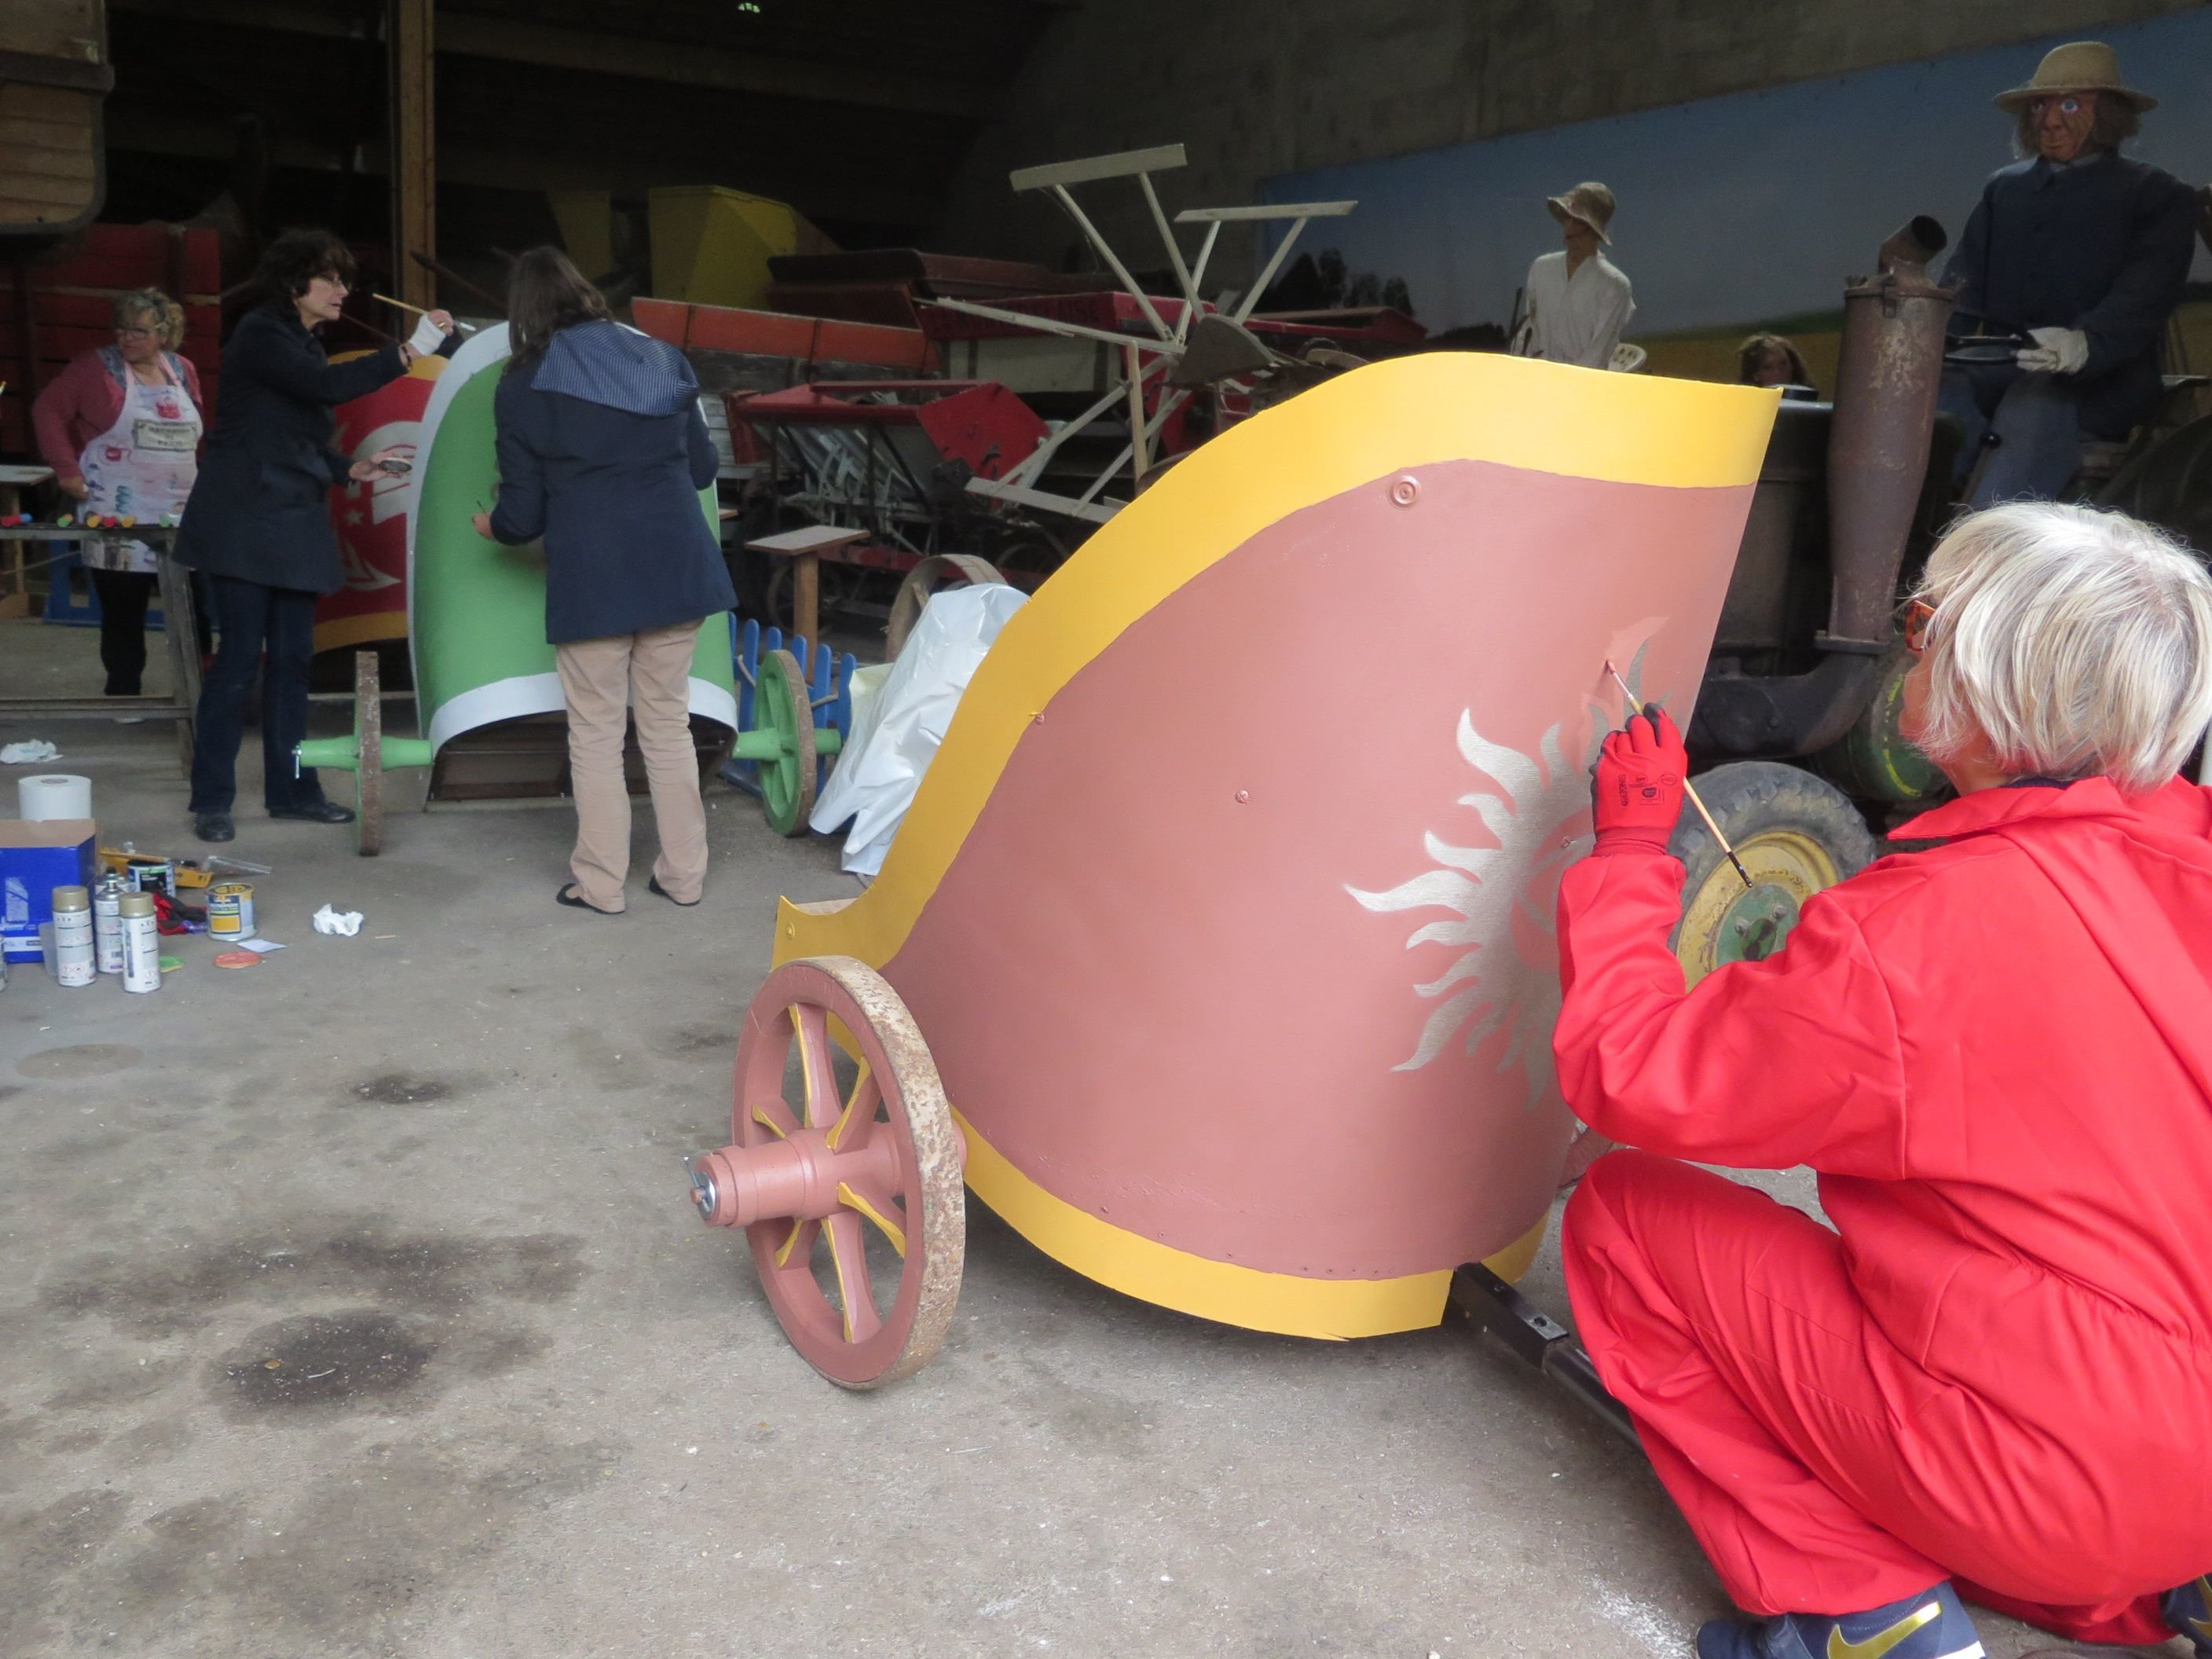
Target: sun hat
1589 202
2079 66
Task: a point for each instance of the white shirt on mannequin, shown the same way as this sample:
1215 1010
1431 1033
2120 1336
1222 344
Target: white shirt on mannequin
1577 318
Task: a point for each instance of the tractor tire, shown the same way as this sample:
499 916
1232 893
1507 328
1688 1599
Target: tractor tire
1874 760
1794 834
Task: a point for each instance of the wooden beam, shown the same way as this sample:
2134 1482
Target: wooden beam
209 138
549 46
414 130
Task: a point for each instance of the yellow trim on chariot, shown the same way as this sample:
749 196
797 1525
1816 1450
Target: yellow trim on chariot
1364 428
895 1234
1331 1310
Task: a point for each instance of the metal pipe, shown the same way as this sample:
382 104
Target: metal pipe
1889 369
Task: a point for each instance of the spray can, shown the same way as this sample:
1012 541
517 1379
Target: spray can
107 924
230 910
73 951
141 942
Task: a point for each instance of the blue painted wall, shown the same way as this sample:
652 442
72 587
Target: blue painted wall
1740 209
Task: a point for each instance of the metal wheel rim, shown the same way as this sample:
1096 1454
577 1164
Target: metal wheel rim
1787 867
817 1003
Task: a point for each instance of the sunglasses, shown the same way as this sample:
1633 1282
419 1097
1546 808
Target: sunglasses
1918 614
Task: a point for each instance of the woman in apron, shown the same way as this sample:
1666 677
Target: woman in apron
121 428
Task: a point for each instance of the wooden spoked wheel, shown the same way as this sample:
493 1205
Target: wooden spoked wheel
845 1171
937 572
368 776
782 705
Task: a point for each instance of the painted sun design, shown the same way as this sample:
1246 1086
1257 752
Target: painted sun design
1499 898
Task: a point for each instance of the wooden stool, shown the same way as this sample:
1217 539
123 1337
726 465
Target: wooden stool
805 548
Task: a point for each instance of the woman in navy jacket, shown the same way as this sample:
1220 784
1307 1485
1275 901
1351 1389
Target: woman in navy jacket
601 453
258 521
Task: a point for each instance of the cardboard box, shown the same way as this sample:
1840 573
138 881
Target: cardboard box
35 860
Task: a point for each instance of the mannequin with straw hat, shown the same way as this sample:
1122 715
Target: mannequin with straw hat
2084 250
1578 300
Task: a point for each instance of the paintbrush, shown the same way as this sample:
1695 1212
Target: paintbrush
466 328
1636 707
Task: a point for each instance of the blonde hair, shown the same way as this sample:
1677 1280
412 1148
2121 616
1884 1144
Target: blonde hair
168 316
2076 641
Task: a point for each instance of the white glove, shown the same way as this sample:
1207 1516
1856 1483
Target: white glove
427 339
2055 351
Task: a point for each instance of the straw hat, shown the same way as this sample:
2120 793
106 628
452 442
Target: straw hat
2082 66
1589 202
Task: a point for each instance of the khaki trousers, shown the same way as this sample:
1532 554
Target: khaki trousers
647 675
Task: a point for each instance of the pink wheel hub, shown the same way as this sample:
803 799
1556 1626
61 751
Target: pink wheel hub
846 1179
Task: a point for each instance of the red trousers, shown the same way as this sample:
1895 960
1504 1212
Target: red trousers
1783 1423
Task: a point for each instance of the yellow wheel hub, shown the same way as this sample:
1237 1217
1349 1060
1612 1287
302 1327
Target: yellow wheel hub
1723 921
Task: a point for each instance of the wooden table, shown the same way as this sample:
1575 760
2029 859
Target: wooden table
15 594
177 622
805 548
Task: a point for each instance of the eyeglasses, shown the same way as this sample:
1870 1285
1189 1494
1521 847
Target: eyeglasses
2064 106
1918 614
138 333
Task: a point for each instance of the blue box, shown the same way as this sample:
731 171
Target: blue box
35 858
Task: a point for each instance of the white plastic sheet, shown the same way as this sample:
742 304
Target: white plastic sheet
896 733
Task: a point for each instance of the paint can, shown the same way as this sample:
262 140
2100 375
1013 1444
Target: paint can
107 924
141 942
230 910
73 953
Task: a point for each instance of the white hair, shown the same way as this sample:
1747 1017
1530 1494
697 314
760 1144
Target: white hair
2076 641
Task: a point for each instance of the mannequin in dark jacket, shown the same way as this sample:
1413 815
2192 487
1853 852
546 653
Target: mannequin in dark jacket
258 526
602 454
2086 250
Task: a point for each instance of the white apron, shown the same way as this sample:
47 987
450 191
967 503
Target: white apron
144 466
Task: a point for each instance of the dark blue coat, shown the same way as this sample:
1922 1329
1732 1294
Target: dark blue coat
2102 245
259 508
608 473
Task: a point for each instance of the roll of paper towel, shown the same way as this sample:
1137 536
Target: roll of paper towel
53 795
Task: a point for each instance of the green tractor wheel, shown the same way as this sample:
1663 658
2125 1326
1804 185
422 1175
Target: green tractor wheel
1874 760
1794 834
784 717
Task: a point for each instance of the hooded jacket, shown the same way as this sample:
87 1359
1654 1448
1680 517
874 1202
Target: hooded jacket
603 453
1997 1056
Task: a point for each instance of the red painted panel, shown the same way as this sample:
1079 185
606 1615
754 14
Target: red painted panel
1146 976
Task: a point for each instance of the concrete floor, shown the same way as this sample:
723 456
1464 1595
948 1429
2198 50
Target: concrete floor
440 1162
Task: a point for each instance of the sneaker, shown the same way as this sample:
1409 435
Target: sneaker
214 826
1931 1625
2189 1611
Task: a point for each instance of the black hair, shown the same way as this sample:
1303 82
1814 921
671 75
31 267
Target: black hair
294 260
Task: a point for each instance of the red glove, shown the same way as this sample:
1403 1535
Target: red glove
1638 793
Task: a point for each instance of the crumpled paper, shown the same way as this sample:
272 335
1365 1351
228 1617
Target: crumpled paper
345 922
29 753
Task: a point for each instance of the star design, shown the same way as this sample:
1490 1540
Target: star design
353 517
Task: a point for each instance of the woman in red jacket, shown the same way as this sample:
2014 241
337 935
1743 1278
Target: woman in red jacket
1995 1371
121 427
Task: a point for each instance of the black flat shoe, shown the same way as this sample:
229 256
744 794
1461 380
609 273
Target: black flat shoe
568 895
322 811
214 826
653 885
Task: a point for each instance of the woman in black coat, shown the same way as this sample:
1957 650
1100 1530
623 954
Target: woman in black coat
258 524
601 453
